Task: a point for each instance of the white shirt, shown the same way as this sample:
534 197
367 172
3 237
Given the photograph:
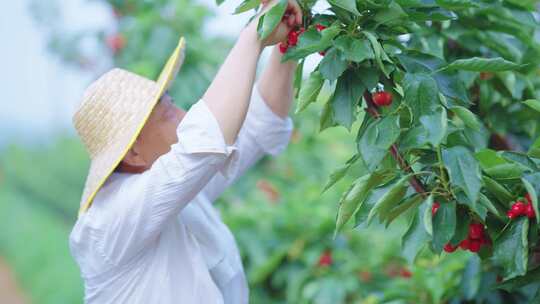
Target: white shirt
155 237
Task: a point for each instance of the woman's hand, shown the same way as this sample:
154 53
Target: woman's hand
291 19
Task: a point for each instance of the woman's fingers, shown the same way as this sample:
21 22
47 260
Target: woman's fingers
265 2
295 10
291 21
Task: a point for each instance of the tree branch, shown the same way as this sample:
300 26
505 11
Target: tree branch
413 181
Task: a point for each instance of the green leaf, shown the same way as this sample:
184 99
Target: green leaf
472 275
526 4
498 191
497 166
369 77
489 158
444 225
532 192
259 273
392 13
451 85
464 170
435 125
354 49
312 41
519 282
414 138
339 173
349 5
380 54
484 201
510 249
456 4
432 14
374 195
246 6
428 216
298 77
477 64
333 64
521 159
327 117
476 207
534 150
309 90
416 62
271 19
377 139
533 104
462 228
415 238
409 203
346 97
467 117
505 171
354 197
421 94
390 198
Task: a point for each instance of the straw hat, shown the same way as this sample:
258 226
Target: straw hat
112 113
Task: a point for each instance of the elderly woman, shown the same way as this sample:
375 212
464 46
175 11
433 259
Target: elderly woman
147 231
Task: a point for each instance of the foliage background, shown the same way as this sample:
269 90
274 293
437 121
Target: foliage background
280 219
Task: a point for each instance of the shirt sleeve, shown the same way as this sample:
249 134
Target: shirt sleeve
263 132
147 201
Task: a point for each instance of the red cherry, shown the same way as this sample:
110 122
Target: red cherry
382 99
449 248
511 214
322 53
325 259
464 244
528 198
405 273
283 47
292 38
434 208
476 231
519 208
116 42
529 211
320 27
475 245
365 276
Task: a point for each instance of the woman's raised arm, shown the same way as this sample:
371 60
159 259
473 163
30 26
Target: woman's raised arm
229 93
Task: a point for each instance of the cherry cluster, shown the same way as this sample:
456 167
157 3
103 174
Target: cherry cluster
476 237
294 35
520 208
474 241
325 259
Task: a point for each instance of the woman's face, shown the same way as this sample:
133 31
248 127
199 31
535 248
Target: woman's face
156 137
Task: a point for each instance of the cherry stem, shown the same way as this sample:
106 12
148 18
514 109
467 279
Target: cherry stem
413 181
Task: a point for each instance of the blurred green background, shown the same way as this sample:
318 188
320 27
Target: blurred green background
283 224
